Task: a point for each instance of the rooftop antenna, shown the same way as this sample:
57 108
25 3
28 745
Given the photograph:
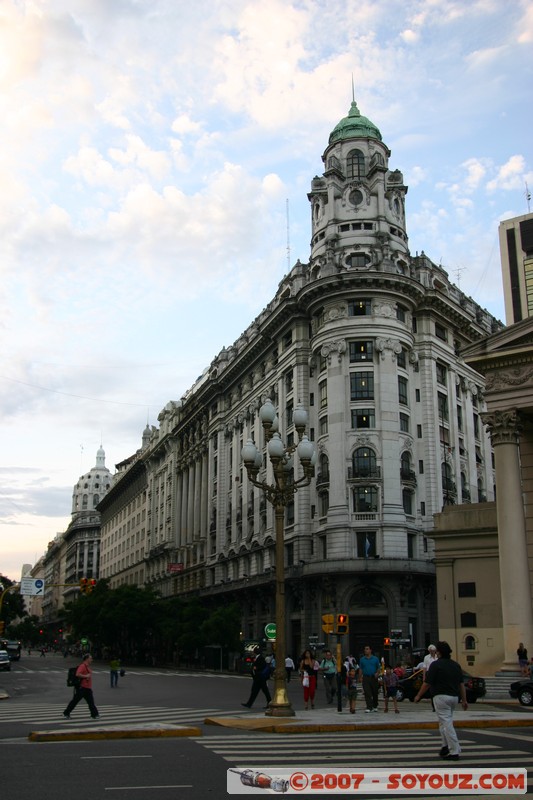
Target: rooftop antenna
528 198
353 90
288 235
458 271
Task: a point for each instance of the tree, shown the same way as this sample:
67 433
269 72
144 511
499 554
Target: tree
12 604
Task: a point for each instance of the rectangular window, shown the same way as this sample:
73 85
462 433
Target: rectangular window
289 411
414 325
361 351
366 544
441 332
417 395
476 426
459 418
359 308
407 498
323 393
323 503
365 499
419 431
404 422
420 467
361 386
441 373
401 311
466 589
402 391
363 418
442 405
444 434
288 381
323 425
423 513
411 545
402 358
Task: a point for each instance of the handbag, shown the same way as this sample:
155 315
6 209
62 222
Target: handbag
305 679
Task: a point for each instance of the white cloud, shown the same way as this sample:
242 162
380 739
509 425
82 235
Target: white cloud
510 175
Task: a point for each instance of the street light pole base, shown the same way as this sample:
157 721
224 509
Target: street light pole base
280 710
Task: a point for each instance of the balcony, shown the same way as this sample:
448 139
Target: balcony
322 479
407 475
364 473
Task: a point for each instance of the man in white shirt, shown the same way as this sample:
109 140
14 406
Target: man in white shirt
429 659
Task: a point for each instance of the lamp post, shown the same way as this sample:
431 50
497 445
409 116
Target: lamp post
279 494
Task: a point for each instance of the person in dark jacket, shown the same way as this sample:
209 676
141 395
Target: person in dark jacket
260 674
445 680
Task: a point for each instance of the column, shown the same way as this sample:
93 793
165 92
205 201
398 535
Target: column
517 614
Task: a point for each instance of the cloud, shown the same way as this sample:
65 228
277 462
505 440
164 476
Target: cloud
510 175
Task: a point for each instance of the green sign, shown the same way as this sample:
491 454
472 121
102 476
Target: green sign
84 641
270 631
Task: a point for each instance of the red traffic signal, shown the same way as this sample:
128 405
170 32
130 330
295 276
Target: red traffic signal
342 624
83 585
386 642
90 585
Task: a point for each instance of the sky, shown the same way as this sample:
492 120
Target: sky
155 159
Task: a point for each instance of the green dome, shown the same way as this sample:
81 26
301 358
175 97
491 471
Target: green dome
354 126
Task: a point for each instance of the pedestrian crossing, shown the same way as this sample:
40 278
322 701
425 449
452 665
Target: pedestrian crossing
134 671
364 749
48 714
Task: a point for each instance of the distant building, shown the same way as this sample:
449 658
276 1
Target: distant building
516 250
369 339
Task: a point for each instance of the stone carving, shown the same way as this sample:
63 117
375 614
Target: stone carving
388 344
338 347
504 426
502 380
335 312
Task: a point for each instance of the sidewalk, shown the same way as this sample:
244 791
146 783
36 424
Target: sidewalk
483 714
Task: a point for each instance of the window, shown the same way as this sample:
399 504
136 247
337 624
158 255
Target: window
401 312
401 358
407 498
442 405
366 544
355 164
466 589
441 373
444 434
323 503
468 620
357 260
476 426
423 513
362 386
363 418
404 422
459 418
288 381
359 308
361 351
441 332
419 431
323 393
420 467
414 325
289 411
323 425
411 545
364 463
289 515
365 499
402 390
470 643
417 395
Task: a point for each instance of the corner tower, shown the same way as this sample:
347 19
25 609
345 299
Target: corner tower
358 205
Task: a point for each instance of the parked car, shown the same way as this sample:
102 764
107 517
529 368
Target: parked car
409 686
5 663
523 690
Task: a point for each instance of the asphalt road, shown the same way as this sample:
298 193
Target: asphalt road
161 769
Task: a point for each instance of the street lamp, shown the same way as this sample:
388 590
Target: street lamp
279 494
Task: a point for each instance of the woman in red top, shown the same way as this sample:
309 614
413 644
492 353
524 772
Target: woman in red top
84 691
308 670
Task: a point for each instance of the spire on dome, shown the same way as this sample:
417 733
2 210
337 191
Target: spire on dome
100 457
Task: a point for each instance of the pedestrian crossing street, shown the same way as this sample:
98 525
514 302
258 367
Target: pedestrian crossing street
43 715
364 749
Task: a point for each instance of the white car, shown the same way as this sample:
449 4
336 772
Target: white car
5 662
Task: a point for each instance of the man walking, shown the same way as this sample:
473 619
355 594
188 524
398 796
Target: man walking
369 668
445 680
84 691
260 674
328 667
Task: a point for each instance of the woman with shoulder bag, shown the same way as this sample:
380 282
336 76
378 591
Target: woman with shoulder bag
308 676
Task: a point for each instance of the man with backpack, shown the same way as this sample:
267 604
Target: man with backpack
260 674
82 688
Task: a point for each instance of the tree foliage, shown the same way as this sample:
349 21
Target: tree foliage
12 604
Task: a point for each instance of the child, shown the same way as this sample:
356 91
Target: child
351 686
390 686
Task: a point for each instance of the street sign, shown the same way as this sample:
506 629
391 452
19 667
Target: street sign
32 586
84 640
270 631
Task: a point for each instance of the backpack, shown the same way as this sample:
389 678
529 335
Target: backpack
72 678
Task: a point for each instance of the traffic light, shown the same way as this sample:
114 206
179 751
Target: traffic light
327 623
84 583
386 641
342 624
90 586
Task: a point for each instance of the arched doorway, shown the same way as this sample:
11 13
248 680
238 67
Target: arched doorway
369 620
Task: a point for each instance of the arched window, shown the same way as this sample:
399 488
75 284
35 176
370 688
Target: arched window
324 467
470 643
405 465
364 463
355 164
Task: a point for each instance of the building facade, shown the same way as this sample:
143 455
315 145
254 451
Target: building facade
516 250
368 338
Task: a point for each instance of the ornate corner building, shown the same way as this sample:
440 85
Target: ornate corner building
368 339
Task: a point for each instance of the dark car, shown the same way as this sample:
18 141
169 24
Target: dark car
523 690
411 683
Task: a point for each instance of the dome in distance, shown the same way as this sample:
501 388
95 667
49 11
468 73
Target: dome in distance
354 126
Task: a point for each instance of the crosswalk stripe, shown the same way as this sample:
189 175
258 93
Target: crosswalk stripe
52 714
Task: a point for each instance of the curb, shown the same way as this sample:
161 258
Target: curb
83 734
